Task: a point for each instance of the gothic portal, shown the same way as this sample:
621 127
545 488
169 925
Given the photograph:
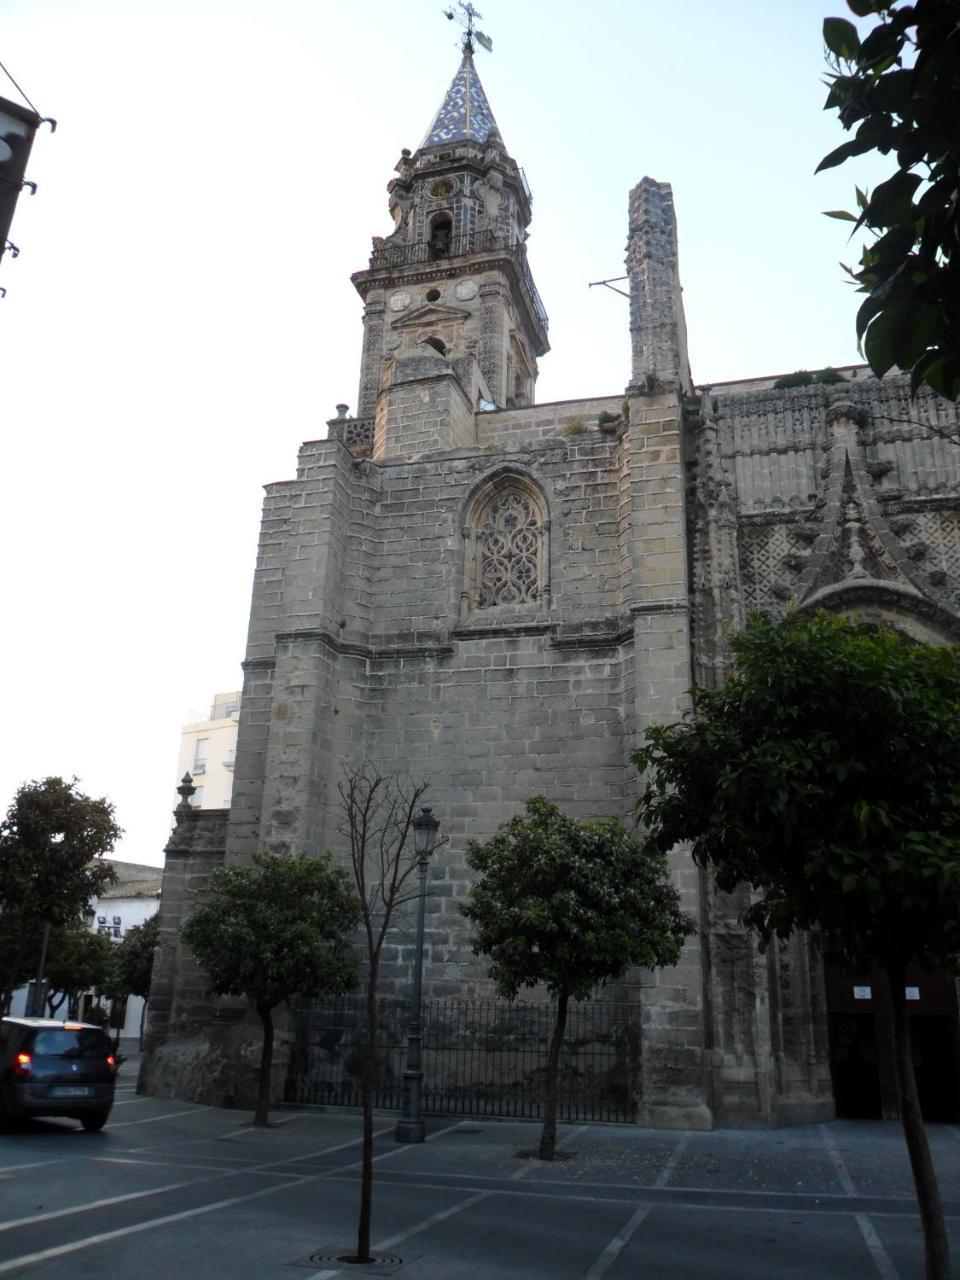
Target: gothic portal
507 593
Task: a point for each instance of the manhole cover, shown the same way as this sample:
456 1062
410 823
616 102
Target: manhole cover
533 1153
379 1263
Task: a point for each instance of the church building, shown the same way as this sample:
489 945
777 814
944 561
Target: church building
501 595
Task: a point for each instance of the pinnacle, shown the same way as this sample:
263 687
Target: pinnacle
465 114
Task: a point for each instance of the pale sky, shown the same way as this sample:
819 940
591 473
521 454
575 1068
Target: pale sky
181 315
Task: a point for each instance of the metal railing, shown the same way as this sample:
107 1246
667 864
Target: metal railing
388 255
480 1058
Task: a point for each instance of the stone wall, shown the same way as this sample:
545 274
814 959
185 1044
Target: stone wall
376 657
197 1045
179 1009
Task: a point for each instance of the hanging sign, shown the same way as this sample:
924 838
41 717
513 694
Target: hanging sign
17 128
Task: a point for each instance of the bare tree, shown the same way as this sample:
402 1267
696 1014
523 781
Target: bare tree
376 818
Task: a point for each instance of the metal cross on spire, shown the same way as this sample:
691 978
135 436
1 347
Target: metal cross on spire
466 18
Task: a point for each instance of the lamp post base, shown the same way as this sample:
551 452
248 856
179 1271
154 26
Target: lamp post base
410 1130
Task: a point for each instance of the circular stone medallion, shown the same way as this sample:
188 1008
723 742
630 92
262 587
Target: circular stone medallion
400 300
467 289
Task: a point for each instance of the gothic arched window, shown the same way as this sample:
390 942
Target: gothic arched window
506 547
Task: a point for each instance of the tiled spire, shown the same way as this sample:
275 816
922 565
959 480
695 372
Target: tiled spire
464 114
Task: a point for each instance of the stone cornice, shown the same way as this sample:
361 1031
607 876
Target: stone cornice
659 606
589 635
354 649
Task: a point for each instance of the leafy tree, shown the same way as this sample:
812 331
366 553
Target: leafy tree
272 930
572 905
134 962
77 961
52 843
898 89
376 820
825 774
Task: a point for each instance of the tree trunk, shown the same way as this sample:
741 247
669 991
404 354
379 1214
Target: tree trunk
548 1139
12 981
262 1113
935 1239
366 1093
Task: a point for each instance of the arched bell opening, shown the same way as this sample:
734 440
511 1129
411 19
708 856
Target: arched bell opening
441 236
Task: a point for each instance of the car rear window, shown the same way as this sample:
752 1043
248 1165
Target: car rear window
85 1042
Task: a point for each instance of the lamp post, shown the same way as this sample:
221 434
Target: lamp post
410 1126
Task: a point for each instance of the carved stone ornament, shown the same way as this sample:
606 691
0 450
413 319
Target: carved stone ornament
853 528
846 409
508 548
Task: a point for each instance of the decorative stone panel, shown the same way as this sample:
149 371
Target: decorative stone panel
770 555
932 539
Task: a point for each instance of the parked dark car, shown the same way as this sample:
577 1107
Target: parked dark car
50 1068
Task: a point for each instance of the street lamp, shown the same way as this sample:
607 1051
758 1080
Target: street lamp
410 1126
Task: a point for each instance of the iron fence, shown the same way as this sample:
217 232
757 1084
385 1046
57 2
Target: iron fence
480 1058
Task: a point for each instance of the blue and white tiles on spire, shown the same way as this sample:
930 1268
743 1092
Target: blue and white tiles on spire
464 114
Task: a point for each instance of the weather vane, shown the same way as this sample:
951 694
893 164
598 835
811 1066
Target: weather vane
466 20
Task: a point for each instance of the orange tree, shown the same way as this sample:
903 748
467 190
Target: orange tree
272 930
571 905
52 845
825 773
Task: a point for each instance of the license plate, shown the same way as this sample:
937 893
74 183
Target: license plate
70 1091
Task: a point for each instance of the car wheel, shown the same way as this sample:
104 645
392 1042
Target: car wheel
94 1121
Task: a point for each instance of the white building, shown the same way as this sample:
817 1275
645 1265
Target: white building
207 751
131 900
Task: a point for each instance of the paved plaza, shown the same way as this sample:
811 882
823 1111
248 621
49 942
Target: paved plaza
173 1189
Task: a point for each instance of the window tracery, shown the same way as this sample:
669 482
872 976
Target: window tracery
507 561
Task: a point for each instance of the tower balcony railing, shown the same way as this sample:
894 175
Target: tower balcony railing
355 433
386 256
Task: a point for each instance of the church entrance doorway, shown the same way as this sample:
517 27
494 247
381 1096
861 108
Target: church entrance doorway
862 1060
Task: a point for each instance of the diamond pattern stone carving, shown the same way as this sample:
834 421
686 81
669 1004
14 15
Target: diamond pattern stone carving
763 549
939 532
509 538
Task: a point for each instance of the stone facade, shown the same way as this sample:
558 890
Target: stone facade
503 596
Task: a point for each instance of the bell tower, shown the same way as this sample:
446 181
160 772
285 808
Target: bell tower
449 290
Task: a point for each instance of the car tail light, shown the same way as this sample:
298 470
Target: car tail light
111 1062
21 1066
